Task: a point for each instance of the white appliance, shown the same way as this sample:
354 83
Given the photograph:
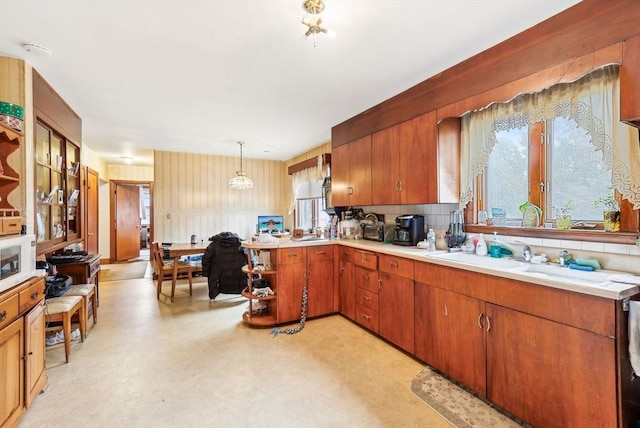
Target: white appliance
17 260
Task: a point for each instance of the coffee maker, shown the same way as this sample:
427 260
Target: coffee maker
409 230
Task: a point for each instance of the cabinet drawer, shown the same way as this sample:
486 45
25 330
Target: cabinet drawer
396 265
367 279
10 225
321 252
366 299
287 256
366 259
9 310
367 318
31 296
94 268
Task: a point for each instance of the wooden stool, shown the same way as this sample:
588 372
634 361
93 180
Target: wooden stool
62 309
88 293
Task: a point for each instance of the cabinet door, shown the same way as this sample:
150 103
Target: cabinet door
320 280
550 374
360 171
35 375
340 176
396 310
456 326
291 280
11 372
347 289
385 167
418 160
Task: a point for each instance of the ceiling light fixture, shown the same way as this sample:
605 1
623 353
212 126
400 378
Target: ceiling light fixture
241 181
313 7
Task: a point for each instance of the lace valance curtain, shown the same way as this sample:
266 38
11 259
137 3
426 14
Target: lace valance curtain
305 176
592 101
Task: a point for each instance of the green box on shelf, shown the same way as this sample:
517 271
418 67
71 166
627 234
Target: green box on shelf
11 109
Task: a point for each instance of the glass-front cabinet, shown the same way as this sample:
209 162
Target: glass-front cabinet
57 189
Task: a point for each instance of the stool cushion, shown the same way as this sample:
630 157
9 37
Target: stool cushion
80 290
58 305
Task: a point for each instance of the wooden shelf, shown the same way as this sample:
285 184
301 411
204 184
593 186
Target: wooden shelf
250 296
266 320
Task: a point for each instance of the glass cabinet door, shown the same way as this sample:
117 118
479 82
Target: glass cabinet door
73 189
57 190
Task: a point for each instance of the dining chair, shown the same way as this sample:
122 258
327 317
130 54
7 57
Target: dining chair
164 270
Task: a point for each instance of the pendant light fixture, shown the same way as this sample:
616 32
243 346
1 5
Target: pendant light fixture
241 181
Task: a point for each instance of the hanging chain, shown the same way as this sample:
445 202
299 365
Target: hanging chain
275 331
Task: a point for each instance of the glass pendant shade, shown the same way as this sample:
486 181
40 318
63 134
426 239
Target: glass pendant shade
241 181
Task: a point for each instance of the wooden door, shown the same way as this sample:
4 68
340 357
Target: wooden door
92 212
385 167
291 280
127 222
340 175
347 289
320 280
550 374
34 353
396 310
11 371
418 163
456 327
360 171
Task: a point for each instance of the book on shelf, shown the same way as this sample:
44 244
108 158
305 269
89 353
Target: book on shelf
73 198
73 169
51 195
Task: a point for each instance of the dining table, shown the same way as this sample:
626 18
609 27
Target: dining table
179 249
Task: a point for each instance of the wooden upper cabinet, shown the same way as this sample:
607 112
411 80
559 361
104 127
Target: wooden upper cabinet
351 173
404 163
630 82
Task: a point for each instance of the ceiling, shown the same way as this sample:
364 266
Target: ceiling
198 76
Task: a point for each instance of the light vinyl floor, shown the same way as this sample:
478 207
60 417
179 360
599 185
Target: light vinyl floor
193 363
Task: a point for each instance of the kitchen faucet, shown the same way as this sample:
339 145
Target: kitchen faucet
526 253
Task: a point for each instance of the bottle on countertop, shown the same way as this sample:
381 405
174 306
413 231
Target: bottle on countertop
495 249
431 241
481 246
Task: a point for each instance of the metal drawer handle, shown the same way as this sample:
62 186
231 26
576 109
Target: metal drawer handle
365 316
367 297
479 318
34 295
394 264
320 252
3 316
365 276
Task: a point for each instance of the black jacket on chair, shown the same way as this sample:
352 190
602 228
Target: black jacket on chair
222 263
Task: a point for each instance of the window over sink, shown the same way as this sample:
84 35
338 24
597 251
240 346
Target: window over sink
561 149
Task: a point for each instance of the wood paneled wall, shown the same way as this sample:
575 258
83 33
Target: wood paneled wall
192 196
313 153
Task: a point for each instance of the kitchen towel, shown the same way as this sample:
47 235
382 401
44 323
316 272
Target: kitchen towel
634 335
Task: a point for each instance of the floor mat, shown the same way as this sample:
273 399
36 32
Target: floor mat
118 272
461 408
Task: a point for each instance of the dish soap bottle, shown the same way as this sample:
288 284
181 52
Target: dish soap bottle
481 246
495 249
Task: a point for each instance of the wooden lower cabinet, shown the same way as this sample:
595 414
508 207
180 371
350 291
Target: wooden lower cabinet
450 335
346 282
298 266
549 357
550 374
22 372
396 310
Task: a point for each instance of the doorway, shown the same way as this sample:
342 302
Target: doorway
131 219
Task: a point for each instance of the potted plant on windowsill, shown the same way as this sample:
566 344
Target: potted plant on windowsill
611 211
563 215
